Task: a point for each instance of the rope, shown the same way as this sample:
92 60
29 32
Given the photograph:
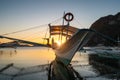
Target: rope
45 35
23 30
77 21
27 35
55 21
30 36
29 28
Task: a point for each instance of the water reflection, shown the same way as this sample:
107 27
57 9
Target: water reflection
10 52
27 56
32 56
1 52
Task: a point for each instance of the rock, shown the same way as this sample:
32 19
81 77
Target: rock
109 26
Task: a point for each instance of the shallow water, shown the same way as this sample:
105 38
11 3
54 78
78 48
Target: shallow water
26 56
30 57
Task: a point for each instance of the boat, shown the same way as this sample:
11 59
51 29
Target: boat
75 39
60 68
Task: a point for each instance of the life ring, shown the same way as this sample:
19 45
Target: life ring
68 16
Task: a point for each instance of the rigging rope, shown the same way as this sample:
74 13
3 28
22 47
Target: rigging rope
29 28
45 35
78 22
25 34
23 30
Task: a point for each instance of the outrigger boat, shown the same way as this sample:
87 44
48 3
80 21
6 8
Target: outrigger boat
60 68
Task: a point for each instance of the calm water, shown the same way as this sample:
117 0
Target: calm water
33 56
26 56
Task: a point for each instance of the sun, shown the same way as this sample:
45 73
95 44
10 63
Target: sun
58 43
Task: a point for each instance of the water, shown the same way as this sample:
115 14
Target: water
29 57
26 56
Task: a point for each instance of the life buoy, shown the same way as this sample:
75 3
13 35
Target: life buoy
68 16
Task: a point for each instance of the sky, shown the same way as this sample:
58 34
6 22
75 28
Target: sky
22 14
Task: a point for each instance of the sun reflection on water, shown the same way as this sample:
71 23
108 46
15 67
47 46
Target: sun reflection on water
27 56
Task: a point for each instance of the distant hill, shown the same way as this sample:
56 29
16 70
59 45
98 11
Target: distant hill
13 44
108 25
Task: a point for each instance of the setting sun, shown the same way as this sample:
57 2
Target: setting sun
58 43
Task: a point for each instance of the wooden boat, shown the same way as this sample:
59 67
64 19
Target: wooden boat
60 68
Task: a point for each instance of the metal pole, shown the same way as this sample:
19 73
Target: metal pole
67 27
62 26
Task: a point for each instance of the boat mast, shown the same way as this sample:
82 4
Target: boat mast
62 28
68 17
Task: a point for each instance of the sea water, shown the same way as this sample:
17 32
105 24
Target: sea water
28 59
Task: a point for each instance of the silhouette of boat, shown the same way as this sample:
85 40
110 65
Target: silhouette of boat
60 68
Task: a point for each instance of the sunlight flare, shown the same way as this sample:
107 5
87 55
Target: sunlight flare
58 43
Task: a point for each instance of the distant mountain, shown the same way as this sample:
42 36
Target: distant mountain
108 25
13 44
